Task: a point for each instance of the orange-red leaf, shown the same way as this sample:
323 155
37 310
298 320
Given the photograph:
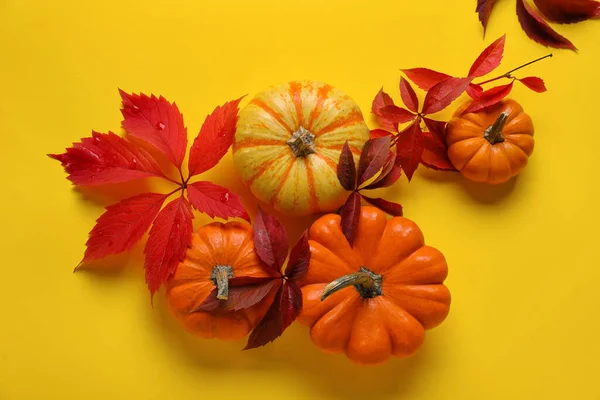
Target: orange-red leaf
474 91
409 148
425 78
568 11
534 83
489 98
346 169
489 59
409 97
377 133
444 93
350 213
397 115
538 30
216 201
270 240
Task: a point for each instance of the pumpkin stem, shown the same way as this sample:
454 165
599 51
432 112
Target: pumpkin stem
367 284
221 274
302 142
493 133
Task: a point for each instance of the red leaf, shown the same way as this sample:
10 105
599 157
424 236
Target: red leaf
167 242
534 83
489 59
350 213
474 91
489 98
122 225
346 169
484 8
386 206
435 154
568 11
215 138
397 115
372 158
216 201
409 97
157 122
291 303
444 93
299 258
381 100
409 148
377 133
425 78
437 128
240 297
270 240
538 30
389 175
106 158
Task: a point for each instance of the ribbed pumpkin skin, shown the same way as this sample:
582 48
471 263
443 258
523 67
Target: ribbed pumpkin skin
266 163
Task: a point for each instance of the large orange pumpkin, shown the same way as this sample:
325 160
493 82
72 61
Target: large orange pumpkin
375 299
288 142
491 145
217 253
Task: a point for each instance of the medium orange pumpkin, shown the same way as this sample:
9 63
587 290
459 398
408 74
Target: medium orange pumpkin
375 299
288 142
491 145
217 253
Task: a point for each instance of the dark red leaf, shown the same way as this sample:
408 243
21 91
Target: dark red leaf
106 158
386 206
425 78
538 30
270 240
568 11
484 9
377 133
474 91
437 128
389 174
435 154
122 225
350 213
299 258
240 297
489 98
489 59
397 115
409 148
215 138
381 100
216 201
409 97
291 303
157 122
372 158
534 83
444 93
346 169
167 242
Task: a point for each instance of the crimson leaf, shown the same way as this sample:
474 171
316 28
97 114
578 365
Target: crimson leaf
409 97
474 91
299 258
484 8
270 240
389 174
346 169
437 128
372 158
435 153
489 59
538 30
216 201
409 148
291 303
397 115
381 100
106 158
239 297
425 78
444 93
534 83
489 98
350 214
387 206
568 11
377 133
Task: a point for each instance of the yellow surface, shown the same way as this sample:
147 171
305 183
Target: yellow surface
523 267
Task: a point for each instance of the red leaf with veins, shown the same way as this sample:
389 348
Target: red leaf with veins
568 11
534 83
409 97
157 122
397 115
381 100
215 138
474 91
216 201
378 133
444 93
122 225
435 153
270 240
437 128
299 258
484 9
425 78
409 148
291 303
489 98
350 213
489 59
538 30
346 169
389 207
239 297
106 158
167 242
390 174
372 158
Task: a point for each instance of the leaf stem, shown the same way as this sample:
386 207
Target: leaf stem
508 74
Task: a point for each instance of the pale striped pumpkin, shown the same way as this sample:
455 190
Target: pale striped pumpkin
288 141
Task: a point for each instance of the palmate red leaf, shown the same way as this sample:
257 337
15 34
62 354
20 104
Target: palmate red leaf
106 158
389 207
568 11
381 100
534 83
377 133
538 30
489 59
444 93
216 201
157 122
350 214
409 148
299 258
167 242
122 225
489 98
215 138
474 91
270 240
435 153
372 158
240 296
425 78
346 169
389 174
409 97
484 9
397 115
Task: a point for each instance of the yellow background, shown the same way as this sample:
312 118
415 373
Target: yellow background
523 267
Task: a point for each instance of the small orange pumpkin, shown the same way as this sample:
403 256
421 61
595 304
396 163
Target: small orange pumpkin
217 253
376 298
491 145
